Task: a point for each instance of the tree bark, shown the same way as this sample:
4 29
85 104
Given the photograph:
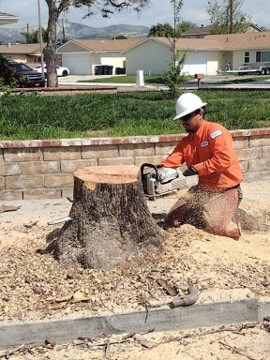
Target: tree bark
110 220
50 51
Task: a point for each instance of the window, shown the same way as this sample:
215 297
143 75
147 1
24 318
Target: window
246 60
263 56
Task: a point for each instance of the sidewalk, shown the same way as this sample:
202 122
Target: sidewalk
218 81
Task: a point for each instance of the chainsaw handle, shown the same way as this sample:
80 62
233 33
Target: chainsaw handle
144 165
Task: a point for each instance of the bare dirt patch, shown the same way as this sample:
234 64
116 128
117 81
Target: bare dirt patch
36 287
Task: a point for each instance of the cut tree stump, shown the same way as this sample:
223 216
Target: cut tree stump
110 220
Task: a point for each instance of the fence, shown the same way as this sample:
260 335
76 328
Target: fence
38 169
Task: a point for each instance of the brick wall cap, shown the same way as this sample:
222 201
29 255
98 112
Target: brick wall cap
154 139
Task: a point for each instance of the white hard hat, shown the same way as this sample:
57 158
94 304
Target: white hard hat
186 104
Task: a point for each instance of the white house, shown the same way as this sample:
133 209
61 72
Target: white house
83 56
204 55
6 19
26 53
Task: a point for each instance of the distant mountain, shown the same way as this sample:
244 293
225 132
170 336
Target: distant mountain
10 35
78 31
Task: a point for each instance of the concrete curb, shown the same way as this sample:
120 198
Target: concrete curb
263 310
163 319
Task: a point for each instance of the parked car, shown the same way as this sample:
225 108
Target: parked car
26 76
60 70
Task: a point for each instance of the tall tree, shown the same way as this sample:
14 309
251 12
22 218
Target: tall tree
173 78
166 30
184 26
56 7
161 30
33 36
227 17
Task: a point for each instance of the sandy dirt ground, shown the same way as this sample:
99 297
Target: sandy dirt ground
36 287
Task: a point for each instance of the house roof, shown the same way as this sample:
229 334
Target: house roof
243 41
226 42
202 30
198 31
10 49
101 46
8 19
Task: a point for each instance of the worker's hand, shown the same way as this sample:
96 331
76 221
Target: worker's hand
190 171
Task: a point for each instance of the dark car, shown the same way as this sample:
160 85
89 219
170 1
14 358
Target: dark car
26 76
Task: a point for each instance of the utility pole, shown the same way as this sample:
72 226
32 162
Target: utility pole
230 16
40 38
174 25
63 30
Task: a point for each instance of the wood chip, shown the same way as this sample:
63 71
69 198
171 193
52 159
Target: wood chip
170 290
6 208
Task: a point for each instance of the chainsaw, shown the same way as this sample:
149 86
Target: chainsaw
161 181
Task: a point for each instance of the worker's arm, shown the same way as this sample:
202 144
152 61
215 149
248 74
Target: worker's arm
175 159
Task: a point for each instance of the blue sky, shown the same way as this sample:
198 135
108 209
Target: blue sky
160 11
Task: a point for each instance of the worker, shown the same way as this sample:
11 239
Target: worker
208 152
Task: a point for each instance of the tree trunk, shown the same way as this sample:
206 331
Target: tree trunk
110 220
50 51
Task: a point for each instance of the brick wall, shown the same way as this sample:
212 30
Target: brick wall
44 168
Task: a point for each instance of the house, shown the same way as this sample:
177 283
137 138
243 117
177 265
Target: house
83 56
198 32
202 31
26 53
205 55
6 19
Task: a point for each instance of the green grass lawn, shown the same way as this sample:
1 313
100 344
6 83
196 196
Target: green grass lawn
123 114
126 79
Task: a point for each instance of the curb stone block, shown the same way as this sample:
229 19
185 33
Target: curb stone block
162 319
263 310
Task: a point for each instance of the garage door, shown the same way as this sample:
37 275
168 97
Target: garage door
78 64
195 63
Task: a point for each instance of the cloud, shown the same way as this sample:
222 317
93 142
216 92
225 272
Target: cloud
158 11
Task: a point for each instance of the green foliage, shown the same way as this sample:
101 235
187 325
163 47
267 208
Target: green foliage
166 30
126 79
177 5
126 114
7 77
227 17
173 77
33 37
161 30
184 26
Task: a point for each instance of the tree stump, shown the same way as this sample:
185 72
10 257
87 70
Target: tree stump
111 222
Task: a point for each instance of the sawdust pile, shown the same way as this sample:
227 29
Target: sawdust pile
34 286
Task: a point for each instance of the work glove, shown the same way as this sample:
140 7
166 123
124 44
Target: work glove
190 171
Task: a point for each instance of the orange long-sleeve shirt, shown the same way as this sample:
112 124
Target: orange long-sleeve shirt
210 151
